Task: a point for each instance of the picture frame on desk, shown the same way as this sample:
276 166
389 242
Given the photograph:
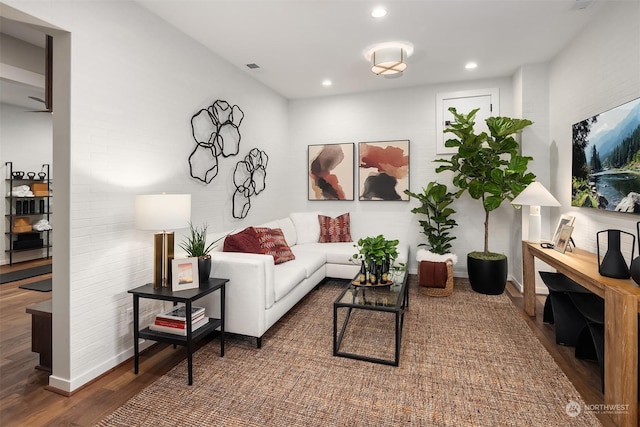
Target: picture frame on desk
184 274
562 242
564 220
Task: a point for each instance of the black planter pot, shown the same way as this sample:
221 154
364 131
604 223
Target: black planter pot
487 276
204 268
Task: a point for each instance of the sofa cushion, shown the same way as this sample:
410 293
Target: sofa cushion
273 243
336 253
286 277
310 260
307 226
243 241
334 229
289 230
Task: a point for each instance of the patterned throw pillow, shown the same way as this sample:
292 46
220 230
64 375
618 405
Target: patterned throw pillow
273 243
243 241
335 229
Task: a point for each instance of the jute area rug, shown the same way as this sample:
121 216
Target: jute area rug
466 360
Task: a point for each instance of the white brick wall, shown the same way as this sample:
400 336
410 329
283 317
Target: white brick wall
598 70
391 115
136 82
133 93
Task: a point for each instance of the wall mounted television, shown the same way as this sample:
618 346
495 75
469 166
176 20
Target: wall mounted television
606 160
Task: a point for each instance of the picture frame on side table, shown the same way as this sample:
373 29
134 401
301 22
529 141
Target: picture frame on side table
562 242
184 274
564 220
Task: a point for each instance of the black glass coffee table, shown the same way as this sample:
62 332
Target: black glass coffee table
392 298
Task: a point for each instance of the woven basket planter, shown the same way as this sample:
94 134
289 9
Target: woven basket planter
435 279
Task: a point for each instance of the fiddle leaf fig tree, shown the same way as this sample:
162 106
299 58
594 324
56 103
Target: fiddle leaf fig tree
435 205
487 166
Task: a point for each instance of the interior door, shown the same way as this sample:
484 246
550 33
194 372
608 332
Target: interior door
488 100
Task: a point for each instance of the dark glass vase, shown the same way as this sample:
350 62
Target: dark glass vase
613 264
634 268
204 268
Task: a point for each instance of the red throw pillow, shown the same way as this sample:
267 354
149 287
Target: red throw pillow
244 241
273 243
335 229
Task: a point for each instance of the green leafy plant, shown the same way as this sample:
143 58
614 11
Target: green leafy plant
435 201
487 166
376 249
195 244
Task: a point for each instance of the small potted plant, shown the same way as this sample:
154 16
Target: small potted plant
436 263
195 245
374 252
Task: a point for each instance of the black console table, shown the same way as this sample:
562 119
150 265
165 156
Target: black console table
187 297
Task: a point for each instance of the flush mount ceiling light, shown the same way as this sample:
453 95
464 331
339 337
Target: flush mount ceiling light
388 58
378 12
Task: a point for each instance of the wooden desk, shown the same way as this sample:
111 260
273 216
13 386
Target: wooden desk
622 305
41 333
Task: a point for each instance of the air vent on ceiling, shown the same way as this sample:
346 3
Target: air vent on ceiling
253 66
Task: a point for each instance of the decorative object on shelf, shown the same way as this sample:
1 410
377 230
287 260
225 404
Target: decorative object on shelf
378 254
383 170
31 175
17 174
185 274
216 131
534 196
330 169
489 168
21 191
162 212
249 177
563 242
42 175
21 225
42 225
195 245
613 264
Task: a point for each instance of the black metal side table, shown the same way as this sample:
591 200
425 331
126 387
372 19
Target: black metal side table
186 297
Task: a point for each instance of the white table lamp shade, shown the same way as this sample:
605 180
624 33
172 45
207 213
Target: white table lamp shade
163 211
534 196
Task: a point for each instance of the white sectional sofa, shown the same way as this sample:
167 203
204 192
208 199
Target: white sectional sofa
259 292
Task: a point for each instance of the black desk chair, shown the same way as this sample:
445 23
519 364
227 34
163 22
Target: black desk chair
560 310
590 343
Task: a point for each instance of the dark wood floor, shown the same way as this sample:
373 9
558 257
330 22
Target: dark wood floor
24 400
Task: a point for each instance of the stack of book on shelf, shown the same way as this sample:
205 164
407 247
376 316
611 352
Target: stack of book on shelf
174 321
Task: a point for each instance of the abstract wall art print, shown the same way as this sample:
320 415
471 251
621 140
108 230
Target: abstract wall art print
383 170
606 160
331 172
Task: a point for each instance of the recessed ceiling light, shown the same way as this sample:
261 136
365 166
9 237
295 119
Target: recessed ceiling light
326 82
378 12
471 65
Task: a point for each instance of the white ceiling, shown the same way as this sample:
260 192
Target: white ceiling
299 43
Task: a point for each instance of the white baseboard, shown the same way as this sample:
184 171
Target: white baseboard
70 385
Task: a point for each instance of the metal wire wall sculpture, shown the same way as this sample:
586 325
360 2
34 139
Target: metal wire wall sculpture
216 131
249 178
